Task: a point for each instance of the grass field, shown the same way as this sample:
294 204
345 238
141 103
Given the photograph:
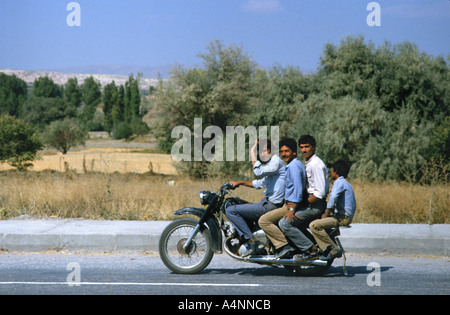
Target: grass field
104 160
137 184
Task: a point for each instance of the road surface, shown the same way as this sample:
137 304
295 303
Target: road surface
141 273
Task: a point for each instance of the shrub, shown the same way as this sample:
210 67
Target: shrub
18 142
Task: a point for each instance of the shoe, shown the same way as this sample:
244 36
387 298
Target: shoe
335 252
251 248
306 256
284 251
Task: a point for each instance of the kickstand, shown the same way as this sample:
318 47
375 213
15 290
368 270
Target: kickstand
344 267
338 241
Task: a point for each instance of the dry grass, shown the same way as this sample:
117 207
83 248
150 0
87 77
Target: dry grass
127 196
127 181
98 196
402 203
105 160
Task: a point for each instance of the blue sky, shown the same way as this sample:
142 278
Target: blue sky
34 34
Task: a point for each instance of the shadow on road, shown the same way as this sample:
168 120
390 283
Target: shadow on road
334 271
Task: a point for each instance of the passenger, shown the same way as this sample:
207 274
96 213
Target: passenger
271 172
294 193
295 223
340 211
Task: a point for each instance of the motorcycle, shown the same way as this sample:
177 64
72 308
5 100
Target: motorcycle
187 245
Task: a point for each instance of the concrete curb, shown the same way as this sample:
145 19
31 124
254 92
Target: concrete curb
111 236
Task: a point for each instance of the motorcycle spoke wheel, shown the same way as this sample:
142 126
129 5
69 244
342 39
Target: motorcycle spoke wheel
188 260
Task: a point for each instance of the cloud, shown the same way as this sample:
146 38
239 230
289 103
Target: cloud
263 6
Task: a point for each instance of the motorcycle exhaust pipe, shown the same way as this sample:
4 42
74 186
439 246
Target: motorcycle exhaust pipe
285 262
271 260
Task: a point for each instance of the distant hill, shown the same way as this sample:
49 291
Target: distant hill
147 71
117 74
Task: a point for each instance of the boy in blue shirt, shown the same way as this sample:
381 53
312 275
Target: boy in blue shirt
340 210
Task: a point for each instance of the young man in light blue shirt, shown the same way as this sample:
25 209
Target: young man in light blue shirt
294 224
294 194
340 210
271 172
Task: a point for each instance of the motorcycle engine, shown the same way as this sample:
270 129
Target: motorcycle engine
261 236
242 250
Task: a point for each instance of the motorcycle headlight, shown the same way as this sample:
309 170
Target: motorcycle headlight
205 197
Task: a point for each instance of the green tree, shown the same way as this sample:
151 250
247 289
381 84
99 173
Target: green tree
406 76
118 108
122 130
341 127
399 75
440 142
219 94
18 142
132 99
91 96
348 69
383 108
275 99
64 134
110 99
72 93
46 87
41 111
13 93
409 88
227 78
379 144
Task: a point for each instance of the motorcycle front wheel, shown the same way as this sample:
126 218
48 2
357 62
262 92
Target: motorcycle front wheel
179 259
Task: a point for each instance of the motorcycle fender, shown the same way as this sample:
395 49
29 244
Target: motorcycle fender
213 226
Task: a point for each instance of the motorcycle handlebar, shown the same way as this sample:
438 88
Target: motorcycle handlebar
228 186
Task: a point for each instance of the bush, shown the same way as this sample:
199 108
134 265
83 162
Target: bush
64 134
122 131
18 142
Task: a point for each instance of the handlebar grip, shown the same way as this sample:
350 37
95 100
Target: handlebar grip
229 186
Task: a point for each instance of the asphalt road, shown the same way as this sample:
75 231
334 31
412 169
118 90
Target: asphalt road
140 273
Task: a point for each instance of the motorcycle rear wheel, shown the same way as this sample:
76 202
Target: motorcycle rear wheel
191 260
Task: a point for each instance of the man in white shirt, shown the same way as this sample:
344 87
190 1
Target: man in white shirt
294 224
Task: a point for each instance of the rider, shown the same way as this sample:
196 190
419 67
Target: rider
294 224
340 210
271 170
294 193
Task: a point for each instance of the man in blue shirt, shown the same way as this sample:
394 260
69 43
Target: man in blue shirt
295 223
271 172
293 196
340 210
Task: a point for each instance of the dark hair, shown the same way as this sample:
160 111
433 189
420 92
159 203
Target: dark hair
341 168
290 143
264 141
307 139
